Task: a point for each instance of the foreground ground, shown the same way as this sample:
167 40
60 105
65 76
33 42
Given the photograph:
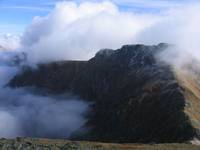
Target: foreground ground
46 144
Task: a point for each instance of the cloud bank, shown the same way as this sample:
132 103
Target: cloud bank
23 113
9 42
179 27
28 115
77 31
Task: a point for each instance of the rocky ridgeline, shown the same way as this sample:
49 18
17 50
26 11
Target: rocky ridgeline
136 98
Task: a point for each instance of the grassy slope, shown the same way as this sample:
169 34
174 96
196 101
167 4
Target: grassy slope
46 144
189 80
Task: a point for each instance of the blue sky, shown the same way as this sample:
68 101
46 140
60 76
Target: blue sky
15 15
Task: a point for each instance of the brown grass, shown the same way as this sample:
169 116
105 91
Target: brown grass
189 80
44 144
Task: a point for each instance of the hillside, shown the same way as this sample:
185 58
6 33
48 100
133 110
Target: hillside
135 97
188 79
44 144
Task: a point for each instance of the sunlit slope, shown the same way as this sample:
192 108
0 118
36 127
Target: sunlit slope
189 79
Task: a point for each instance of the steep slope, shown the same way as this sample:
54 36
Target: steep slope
188 77
136 98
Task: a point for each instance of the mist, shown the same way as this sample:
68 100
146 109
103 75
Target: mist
180 28
23 113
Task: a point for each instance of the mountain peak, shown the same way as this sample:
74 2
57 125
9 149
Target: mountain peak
135 97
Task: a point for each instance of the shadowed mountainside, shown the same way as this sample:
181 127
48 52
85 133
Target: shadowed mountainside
136 98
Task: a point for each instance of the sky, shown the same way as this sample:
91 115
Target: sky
16 15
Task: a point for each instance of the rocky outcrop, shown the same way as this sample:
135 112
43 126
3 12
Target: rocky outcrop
136 98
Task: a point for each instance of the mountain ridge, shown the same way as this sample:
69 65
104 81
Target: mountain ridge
136 98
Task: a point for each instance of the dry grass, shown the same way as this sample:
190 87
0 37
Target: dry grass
47 144
189 80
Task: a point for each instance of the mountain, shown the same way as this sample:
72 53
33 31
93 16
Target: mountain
135 97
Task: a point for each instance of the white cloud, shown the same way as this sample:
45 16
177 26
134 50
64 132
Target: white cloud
28 115
74 31
142 4
23 113
151 3
9 42
179 27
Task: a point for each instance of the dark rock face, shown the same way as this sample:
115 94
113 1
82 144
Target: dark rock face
136 98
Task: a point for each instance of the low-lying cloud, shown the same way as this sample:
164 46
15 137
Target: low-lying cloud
23 113
28 115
